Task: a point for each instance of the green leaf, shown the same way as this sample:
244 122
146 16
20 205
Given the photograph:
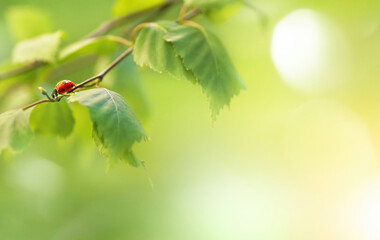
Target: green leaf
133 160
115 126
27 22
205 56
99 45
153 51
15 131
42 48
127 80
52 119
123 7
210 4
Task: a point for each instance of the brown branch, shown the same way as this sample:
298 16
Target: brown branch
194 12
101 75
107 26
182 17
35 103
148 18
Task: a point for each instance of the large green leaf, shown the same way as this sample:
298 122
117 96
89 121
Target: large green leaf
99 45
153 51
52 119
42 48
27 22
205 56
15 131
123 7
115 126
210 4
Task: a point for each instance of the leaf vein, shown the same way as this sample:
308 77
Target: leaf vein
117 110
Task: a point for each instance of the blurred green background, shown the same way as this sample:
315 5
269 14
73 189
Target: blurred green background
294 157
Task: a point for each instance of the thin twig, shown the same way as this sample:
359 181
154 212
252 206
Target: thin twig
180 20
36 103
107 26
101 75
194 12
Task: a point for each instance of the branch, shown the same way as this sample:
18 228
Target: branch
107 26
150 17
102 29
36 103
194 12
182 17
101 75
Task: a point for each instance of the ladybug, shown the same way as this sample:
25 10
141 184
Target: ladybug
63 87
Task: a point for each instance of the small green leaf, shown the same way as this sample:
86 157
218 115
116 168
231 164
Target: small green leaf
115 126
27 22
123 7
15 131
99 45
52 119
42 48
210 4
205 56
153 51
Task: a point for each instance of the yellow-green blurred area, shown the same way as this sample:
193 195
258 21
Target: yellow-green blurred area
295 156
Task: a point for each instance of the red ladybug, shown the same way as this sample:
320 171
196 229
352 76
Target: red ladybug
62 87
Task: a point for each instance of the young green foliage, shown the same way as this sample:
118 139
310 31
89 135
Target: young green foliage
115 126
183 51
99 45
42 48
205 56
52 119
153 51
15 131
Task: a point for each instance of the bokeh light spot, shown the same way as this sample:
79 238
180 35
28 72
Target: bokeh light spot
310 52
